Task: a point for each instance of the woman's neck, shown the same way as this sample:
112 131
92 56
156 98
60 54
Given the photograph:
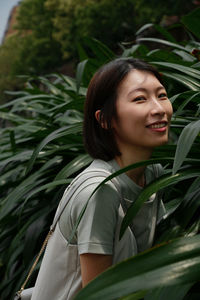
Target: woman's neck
132 157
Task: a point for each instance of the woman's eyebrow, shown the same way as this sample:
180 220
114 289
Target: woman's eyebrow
161 87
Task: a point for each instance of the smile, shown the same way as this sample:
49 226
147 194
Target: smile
160 125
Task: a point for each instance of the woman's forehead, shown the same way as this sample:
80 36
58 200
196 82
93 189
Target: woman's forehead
138 80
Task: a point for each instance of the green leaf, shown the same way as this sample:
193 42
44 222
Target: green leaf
164 42
186 56
21 156
186 80
130 51
53 136
79 73
143 28
173 293
75 165
46 186
134 296
23 100
102 52
17 195
173 263
163 181
191 21
187 70
166 34
186 139
184 103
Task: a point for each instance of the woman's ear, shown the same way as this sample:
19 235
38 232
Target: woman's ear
97 116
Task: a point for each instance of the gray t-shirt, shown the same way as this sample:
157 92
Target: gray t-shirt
98 232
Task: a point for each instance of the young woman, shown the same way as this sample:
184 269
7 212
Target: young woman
127 114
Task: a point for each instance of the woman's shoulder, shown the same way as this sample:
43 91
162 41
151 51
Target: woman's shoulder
89 179
96 172
88 190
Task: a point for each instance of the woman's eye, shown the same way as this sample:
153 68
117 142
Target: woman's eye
140 98
162 95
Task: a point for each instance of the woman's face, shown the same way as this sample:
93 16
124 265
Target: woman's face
143 112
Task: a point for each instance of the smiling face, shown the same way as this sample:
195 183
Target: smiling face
143 112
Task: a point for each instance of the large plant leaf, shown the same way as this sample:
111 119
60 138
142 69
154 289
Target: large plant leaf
173 292
162 182
185 142
172 263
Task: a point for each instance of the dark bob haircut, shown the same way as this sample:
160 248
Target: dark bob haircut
101 95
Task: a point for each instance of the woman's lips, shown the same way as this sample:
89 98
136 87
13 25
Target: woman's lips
158 126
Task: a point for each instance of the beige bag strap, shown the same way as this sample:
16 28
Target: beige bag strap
35 262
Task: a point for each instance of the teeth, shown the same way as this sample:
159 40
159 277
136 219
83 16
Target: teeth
158 125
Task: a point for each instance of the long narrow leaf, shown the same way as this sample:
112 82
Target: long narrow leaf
173 263
163 181
187 70
53 136
74 166
164 42
79 73
185 142
186 80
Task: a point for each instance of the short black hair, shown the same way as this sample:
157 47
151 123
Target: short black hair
101 95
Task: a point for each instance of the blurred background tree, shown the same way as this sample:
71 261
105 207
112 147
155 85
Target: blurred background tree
49 32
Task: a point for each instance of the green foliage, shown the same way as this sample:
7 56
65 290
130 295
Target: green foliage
157 11
42 151
107 20
191 21
9 53
34 23
38 156
33 50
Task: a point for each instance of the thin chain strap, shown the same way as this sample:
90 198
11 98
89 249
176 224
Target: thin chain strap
36 261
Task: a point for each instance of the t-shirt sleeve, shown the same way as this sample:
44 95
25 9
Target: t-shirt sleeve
96 231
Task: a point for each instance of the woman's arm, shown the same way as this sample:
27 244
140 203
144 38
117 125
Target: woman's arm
92 265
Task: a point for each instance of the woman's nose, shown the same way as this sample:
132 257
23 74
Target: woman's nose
157 107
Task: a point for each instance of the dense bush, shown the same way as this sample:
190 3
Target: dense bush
42 151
